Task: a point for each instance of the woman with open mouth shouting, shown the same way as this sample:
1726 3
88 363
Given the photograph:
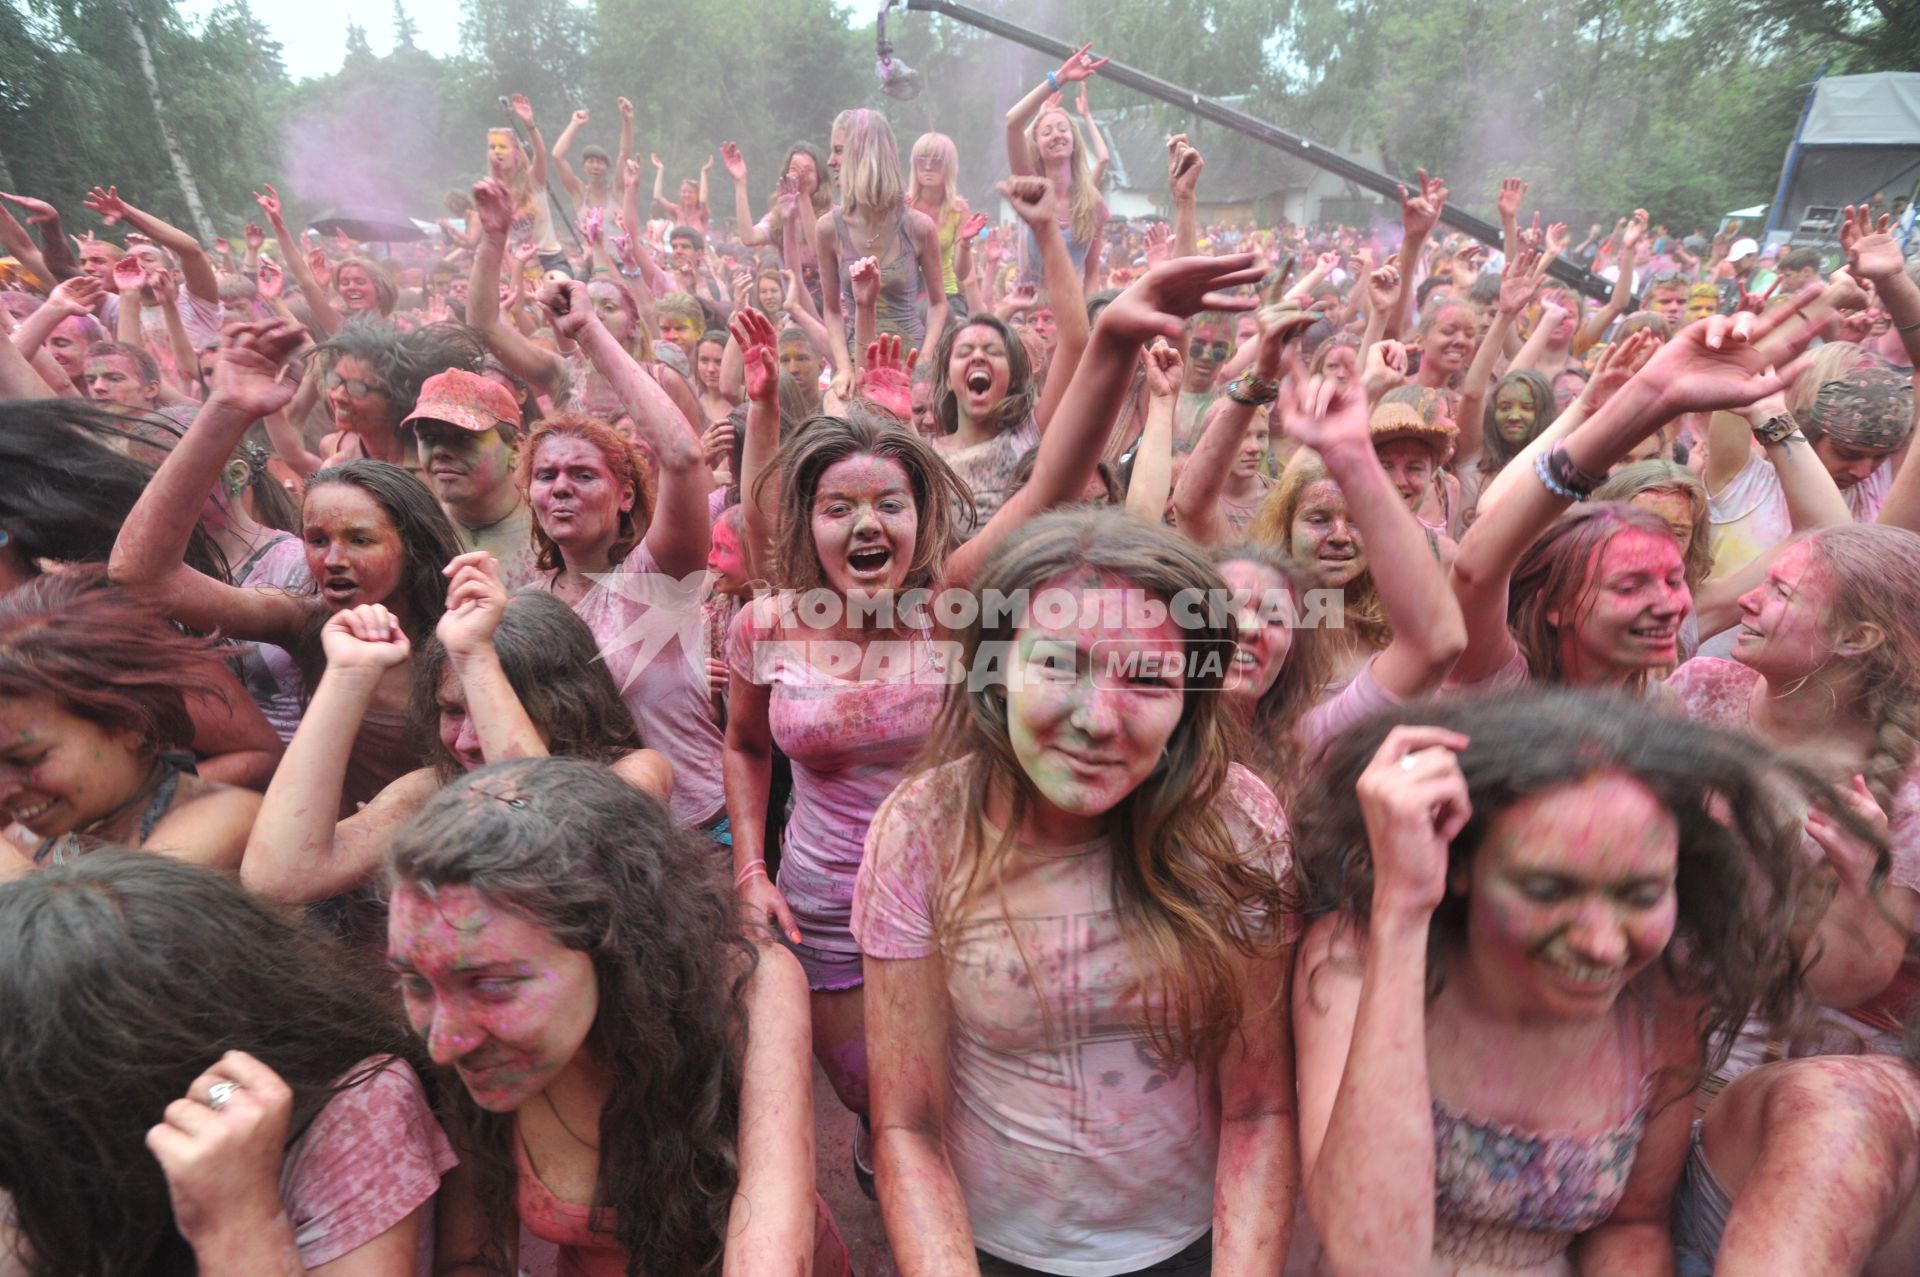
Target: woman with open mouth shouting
1535 917
989 410
373 533
864 515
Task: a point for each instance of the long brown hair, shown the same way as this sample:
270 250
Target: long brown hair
1269 745
1188 901
819 443
623 462
1273 525
1556 575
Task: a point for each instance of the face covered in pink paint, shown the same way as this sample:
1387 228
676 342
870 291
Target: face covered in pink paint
60 772
495 996
1263 601
1570 896
1091 703
1630 617
865 524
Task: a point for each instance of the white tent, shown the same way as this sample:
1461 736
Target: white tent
1860 137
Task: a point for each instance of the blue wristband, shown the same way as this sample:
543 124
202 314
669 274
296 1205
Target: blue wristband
1053 81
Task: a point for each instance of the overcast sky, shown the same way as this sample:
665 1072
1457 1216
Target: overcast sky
313 37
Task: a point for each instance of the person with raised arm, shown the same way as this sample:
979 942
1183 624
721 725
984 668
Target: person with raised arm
866 511
1534 920
691 209
503 677
373 534
1043 141
874 220
597 191
983 392
195 288
1600 599
627 553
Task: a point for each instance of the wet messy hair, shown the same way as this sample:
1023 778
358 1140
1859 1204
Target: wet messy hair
106 655
1740 863
1189 902
127 976
427 540
623 462
401 361
67 483
1557 574
939 497
554 666
602 867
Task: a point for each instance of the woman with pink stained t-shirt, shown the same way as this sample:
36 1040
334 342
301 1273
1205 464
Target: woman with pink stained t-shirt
196 1083
866 514
1084 838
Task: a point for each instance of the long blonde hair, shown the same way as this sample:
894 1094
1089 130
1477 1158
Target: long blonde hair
1658 475
940 146
1083 197
870 168
1187 901
520 185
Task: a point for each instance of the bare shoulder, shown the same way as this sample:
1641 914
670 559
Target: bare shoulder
210 828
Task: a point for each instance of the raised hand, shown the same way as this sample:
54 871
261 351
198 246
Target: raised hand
736 163
864 278
973 225
1159 239
1522 281
129 274
253 237
1556 242
221 1158
249 373
107 203
1617 365
1052 103
1020 297
1321 413
1634 231
523 109
39 212
656 161
580 118
786 196
1853 859
566 301
270 205
1413 797
321 265
593 225
626 109
1420 213
77 296
753 333
1730 361
1166 371
1161 301
1033 200
1513 191
476 600
1081 104
367 637
707 167
1872 252
1383 286
524 252
1754 303
271 281
1386 368
1078 67
493 206
887 379
1184 164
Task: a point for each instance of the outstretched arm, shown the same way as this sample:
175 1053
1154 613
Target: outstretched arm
1152 481
562 146
539 367
1076 68
319 303
1037 204
196 268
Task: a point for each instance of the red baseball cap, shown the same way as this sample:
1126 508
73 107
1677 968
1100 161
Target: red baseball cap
467 400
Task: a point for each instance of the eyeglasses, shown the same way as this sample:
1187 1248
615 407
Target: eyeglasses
356 388
1201 350
1668 278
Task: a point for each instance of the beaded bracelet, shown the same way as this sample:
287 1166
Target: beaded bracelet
1552 484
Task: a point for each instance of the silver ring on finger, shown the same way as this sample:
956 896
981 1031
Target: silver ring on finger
219 1093
1409 761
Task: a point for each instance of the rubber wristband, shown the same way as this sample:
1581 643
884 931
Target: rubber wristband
1053 81
754 867
1914 327
1551 484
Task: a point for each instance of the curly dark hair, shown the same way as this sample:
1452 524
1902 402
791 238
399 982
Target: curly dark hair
401 360
1741 873
602 866
127 976
554 665
67 484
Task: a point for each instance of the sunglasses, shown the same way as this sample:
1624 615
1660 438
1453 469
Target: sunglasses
1201 350
356 388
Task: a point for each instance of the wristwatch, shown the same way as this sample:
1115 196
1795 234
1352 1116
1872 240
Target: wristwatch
1777 429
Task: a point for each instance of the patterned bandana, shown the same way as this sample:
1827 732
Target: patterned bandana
1870 408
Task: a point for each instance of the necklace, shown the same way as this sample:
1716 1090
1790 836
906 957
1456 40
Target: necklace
869 241
555 1110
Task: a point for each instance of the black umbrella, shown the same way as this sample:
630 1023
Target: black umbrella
368 226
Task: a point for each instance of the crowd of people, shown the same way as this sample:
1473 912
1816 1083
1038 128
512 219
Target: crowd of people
1237 750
